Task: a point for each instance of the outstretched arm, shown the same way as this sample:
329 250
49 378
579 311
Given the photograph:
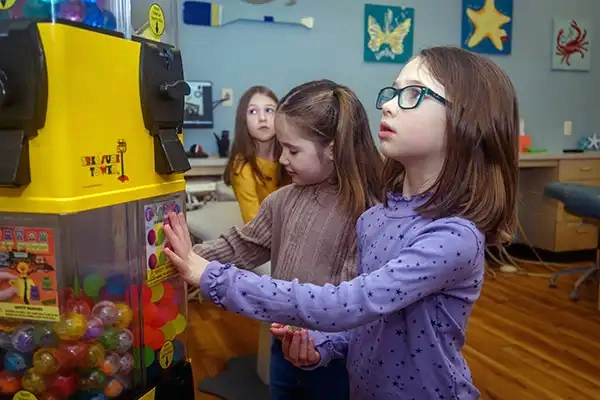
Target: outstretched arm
445 254
248 247
330 346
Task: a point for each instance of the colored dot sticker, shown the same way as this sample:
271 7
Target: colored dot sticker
180 323
92 284
147 354
162 256
24 395
169 330
179 352
158 292
151 237
165 357
160 234
152 261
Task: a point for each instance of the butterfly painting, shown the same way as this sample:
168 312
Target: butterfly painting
388 34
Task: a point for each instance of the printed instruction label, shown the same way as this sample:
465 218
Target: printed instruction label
158 267
28 274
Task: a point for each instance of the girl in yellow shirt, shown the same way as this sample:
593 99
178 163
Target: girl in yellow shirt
253 170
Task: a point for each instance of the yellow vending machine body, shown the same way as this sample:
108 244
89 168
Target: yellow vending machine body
91 163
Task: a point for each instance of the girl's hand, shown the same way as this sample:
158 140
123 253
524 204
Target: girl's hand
190 265
299 349
279 330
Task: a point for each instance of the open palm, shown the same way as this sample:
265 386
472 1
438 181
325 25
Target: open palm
180 250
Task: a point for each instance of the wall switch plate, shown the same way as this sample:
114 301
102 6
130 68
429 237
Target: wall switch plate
227 97
568 128
522 126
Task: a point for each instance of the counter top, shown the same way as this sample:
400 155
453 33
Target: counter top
559 156
208 162
213 167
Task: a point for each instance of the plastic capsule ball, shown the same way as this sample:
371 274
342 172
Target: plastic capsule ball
95 327
72 10
125 364
17 362
92 380
63 385
71 327
44 337
109 338
9 325
34 382
111 364
114 387
49 396
45 361
6 341
23 339
95 355
90 395
124 315
9 383
124 341
79 306
71 354
93 14
106 311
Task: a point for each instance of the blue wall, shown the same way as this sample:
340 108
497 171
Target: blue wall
243 54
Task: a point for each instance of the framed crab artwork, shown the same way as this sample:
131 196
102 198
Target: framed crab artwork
571 45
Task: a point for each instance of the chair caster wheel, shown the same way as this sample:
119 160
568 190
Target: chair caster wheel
552 283
574 296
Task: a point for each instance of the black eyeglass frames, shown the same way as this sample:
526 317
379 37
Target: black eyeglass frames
409 97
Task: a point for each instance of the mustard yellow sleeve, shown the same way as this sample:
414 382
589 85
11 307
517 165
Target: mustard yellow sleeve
244 187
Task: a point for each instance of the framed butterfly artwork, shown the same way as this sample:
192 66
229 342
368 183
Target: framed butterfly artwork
389 34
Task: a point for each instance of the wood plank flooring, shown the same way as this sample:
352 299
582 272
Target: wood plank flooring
525 341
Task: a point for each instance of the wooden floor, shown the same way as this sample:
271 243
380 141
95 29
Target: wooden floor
524 341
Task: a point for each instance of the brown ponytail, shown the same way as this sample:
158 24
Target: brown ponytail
333 114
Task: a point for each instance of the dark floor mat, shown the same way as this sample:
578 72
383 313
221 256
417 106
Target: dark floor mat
239 381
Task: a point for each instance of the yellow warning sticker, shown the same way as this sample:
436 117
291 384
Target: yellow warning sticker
156 20
6 4
166 355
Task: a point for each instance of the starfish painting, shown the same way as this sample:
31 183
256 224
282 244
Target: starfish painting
487 24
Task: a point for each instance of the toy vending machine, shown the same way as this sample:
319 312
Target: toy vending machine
91 161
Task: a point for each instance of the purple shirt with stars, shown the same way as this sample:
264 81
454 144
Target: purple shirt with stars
401 323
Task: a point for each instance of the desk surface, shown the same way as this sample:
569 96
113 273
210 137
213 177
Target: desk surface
208 162
213 166
559 156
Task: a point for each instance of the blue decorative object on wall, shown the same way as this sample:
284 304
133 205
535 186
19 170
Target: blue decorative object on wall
487 26
388 34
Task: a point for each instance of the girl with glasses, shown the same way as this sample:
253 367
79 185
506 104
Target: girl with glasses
449 131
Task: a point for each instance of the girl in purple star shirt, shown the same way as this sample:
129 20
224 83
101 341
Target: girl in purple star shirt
449 131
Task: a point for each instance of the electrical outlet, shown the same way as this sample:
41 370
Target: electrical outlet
227 97
568 128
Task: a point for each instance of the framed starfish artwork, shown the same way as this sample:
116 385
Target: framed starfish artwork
571 44
487 26
389 34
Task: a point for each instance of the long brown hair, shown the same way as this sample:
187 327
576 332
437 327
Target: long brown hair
332 113
243 149
479 178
